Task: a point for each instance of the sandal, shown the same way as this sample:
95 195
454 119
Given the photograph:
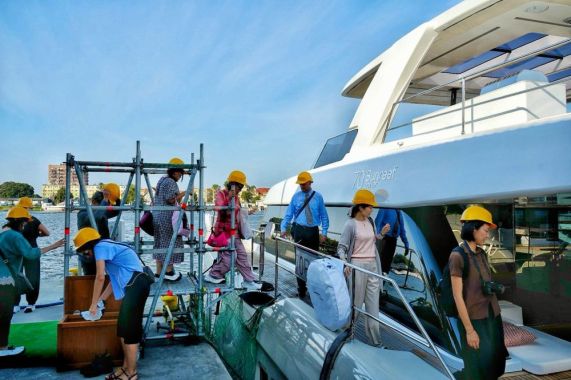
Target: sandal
116 375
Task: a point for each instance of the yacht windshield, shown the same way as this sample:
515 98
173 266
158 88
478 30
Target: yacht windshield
336 148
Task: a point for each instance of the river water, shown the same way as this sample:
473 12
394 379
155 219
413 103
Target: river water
52 262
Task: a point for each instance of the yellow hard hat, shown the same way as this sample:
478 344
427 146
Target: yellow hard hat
113 190
25 202
364 197
304 177
176 161
237 176
18 212
84 236
477 213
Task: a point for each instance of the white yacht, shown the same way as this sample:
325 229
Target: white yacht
49 207
469 107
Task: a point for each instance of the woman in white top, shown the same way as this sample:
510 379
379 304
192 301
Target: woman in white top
357 246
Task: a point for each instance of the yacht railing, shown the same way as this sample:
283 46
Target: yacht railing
428 341
463 79
262 248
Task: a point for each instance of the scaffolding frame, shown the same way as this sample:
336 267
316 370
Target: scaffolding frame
194 245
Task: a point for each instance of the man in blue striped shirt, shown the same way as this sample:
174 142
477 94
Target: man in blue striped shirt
307 211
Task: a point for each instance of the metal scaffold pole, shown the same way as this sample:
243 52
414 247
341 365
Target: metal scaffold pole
83 195
193 284
191 226
138 205
123 201
67 249
200 302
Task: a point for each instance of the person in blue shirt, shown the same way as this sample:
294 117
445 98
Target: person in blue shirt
14 248
307 212
388 244
128 283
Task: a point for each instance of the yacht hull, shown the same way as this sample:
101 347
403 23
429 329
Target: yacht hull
527 160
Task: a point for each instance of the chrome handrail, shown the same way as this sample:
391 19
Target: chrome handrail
540 87
490 69
262 250
409 309
462 79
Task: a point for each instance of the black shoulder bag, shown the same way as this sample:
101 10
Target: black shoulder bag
21 282
297 214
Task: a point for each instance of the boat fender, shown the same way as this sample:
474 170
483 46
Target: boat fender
333 352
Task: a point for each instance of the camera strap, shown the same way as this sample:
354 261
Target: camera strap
471 254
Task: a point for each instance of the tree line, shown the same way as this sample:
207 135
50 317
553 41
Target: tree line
16 190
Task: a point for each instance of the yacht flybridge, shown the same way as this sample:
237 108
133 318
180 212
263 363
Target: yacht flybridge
469 107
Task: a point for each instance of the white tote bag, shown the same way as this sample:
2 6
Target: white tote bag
245 229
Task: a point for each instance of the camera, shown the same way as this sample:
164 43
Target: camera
490 288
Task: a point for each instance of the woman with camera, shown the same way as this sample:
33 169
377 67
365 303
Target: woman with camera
481 330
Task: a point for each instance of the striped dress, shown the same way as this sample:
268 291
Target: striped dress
162 221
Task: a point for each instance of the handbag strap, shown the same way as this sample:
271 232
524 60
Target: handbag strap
7 263
125 245
304 205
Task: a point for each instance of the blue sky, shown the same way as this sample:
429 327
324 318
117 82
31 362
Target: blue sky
258 82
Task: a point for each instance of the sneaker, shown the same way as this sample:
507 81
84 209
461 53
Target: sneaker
172 276
16 309
251 285
214 280
11 351
101 305
30 308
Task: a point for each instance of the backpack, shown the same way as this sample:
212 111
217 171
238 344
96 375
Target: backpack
444 289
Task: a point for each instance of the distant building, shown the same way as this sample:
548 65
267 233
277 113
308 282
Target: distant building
49 191
262 191
56 176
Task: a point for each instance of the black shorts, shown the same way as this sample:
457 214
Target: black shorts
130 322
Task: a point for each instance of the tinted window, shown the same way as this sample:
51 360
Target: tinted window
416 281
336 148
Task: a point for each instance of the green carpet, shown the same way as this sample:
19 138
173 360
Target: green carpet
39 338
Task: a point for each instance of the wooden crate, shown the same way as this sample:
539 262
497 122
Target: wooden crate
77 294
78 341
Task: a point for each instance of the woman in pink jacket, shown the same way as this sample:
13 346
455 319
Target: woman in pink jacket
235 182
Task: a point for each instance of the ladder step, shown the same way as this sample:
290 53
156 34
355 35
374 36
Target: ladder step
188 285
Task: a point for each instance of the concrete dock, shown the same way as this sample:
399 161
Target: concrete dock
166 362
